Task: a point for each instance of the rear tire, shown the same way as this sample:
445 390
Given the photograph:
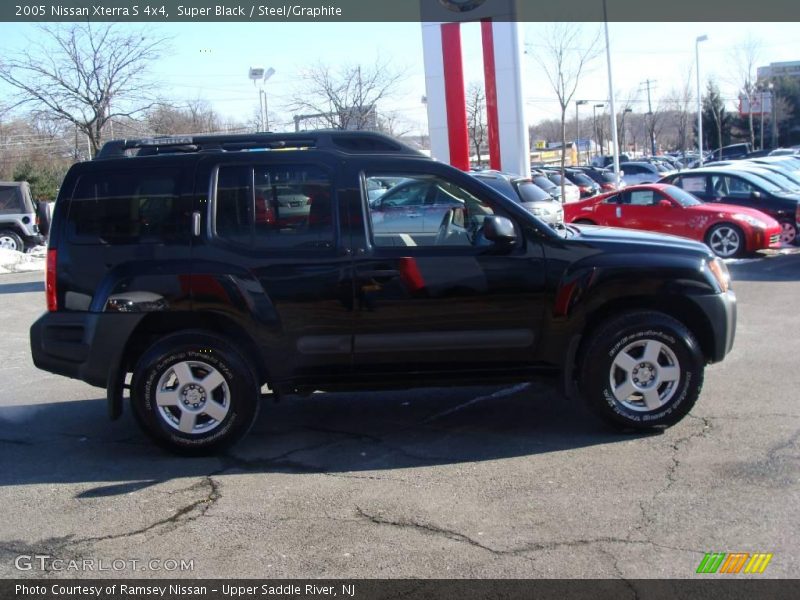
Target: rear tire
641 370
194 394
10 240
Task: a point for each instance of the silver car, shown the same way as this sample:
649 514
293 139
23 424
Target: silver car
525 192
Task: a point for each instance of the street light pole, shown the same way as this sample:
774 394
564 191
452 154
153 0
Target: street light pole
578 127
761 127
614 139
699 39
260 75
594 120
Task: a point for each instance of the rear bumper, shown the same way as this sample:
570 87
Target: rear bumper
34 240
85 346
720 312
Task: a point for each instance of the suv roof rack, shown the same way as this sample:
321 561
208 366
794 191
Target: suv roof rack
348 142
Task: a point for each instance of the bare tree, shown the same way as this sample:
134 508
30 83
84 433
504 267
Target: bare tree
84 74
744 61
196 116
392 124
476 118
679 102
345 98
565 55
626 106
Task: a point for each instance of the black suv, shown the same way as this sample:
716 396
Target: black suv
188 273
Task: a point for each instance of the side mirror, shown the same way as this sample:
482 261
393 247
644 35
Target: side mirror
664 203
499 230
756 195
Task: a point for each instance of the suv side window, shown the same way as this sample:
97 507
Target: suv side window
9 201
426 210
276 206
127 207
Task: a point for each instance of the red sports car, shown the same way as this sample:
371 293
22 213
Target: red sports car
727 229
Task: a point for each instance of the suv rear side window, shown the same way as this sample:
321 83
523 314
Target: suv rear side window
9 200
128 207
279 207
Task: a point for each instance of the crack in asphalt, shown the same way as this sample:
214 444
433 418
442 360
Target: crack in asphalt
456 536
618 571
180 517
672 469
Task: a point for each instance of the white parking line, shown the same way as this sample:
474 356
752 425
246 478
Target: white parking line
498 394
407 240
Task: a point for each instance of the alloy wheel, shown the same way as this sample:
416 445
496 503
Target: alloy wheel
193 397
644 375
725 241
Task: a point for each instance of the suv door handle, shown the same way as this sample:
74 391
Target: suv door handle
196 224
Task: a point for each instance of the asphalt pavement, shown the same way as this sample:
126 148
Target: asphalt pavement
506 482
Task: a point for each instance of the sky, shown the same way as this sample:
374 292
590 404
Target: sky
210 61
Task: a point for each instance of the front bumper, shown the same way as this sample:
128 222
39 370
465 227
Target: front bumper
720 313
82 345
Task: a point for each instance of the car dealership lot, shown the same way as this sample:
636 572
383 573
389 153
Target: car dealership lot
466 482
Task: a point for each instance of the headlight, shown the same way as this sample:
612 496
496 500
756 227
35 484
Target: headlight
752 221
721 274
536 211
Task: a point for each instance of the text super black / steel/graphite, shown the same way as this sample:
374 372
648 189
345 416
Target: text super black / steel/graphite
187 273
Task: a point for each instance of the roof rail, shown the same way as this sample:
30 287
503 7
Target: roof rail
348 142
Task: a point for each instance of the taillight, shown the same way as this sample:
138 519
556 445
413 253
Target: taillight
50 280
797 213
608 186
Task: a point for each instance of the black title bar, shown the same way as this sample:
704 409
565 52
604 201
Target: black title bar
276 11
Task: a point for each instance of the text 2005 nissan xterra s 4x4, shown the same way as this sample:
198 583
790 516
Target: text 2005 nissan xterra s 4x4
190 272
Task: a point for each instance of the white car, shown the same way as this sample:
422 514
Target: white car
572 193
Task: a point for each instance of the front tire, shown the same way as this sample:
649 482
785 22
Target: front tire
194 394
726 240
641 370
788 233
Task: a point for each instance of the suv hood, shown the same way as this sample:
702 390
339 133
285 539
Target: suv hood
618 235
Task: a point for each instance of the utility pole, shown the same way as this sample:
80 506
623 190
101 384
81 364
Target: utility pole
648 83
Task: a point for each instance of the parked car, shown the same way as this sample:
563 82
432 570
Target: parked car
608 160
785 152
728 185
728 230
540 178
604 177
788 163
587 186
19 221
642 172
161 288
522 189
730 152
788 181
571 191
